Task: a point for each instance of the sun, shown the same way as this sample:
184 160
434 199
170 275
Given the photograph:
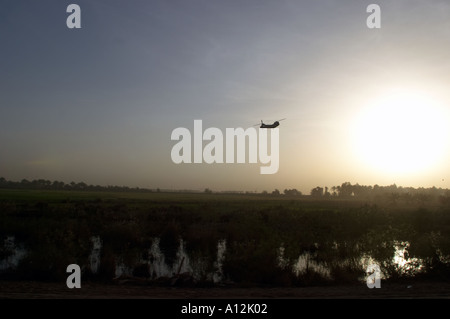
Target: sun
401 132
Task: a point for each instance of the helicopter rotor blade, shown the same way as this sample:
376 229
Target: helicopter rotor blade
281 120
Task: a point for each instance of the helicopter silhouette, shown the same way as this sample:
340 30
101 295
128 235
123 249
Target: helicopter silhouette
273 125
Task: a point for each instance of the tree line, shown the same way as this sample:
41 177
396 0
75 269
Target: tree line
392 193
346 190
42 184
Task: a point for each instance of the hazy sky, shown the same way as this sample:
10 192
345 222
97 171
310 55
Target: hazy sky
99 104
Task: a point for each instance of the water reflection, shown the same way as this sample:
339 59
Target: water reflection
155 260
306 262
323 260
94 257
12 254
221 249
404 264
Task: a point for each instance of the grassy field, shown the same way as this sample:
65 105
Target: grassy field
245 239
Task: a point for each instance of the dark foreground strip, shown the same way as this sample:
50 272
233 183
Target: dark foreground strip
214 308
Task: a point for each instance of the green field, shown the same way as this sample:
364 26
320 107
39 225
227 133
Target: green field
247 239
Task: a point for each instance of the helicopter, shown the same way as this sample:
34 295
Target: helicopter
273 125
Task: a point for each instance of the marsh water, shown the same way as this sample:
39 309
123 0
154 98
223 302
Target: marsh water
220 241
210 267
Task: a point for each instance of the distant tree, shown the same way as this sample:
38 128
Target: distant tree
81 186
58 185
276 192
346 190
207 191
317 192
444 199
407 198
292 192
361 191
394 197
422 198
335 191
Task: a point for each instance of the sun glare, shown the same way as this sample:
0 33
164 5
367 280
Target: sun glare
401 132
